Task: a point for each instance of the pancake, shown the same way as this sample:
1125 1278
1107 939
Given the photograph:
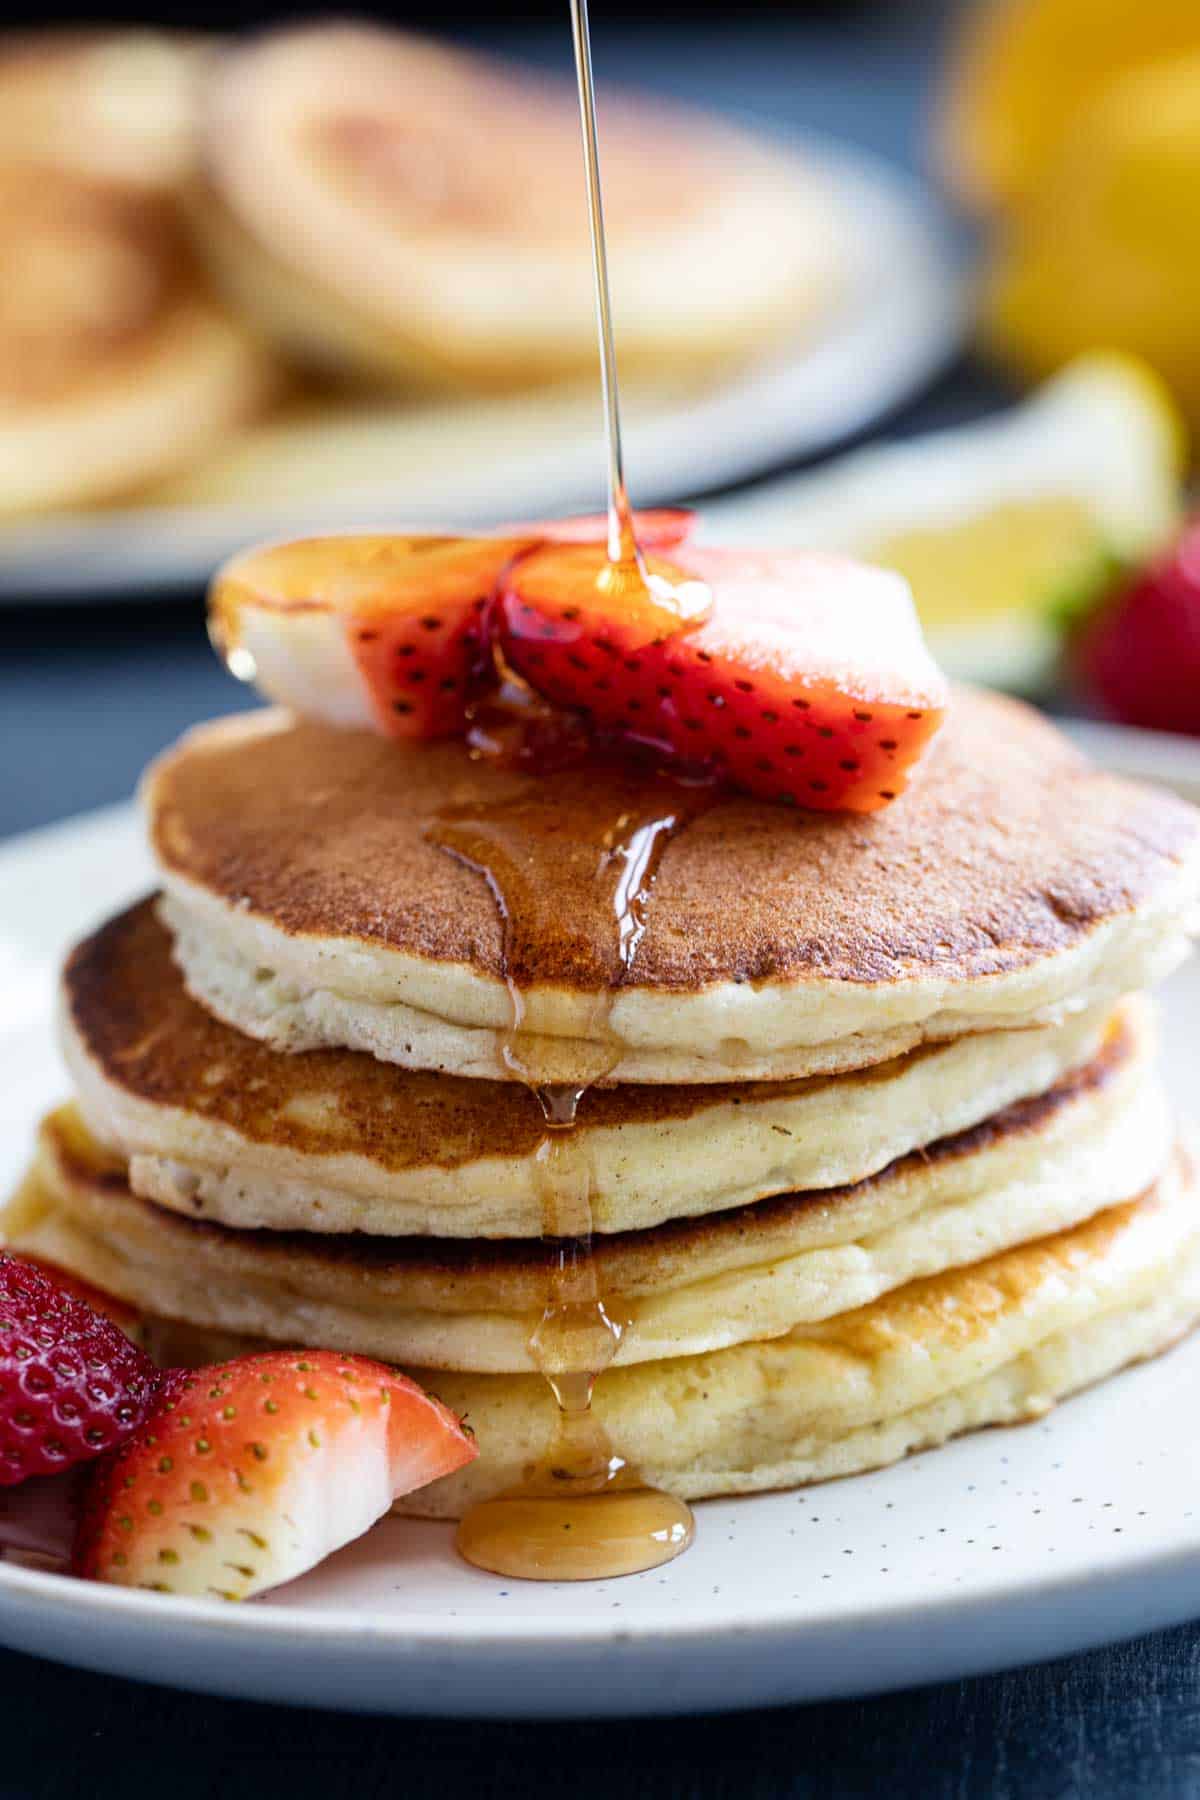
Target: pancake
1013 884
221 1127
995 1343
1099 1137
354 202
117 366
117 106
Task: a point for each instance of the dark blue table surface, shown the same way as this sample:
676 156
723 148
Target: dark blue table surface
86 696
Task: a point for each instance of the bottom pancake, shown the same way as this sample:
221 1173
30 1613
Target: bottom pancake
994 1343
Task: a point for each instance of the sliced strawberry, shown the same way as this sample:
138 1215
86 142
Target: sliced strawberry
658 528
71 1384
126 1318
252 1471
800 678
809 682
1140 656
389 633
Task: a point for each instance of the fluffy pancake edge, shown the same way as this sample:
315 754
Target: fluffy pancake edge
218 1127
756 1272
1066 888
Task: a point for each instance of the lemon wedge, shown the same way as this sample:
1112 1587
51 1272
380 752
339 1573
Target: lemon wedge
1003 529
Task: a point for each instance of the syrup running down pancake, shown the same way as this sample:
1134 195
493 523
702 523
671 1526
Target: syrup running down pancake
1012 884
692 1141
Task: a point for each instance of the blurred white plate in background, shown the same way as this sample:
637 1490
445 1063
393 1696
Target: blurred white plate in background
896 324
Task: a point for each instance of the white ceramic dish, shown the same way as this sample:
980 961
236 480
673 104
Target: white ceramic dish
898 323
1003 1548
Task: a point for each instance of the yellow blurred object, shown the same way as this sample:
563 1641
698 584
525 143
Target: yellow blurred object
996 587
1108 251
1012 558
1023 70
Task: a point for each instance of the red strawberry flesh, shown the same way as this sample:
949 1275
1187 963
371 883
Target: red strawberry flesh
809 683
423 645
414 610
795 677
127 1318
72 1385
252 1471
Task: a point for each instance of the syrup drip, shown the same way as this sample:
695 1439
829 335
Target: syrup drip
583 1513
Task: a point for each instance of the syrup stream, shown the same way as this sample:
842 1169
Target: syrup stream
584 1514
626 573
622 543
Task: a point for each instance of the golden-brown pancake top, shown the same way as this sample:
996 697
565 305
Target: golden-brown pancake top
1008 848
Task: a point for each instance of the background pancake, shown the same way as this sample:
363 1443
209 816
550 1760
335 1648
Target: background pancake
355 202
1012 881
113 105
1101 1136
221 1127
117 366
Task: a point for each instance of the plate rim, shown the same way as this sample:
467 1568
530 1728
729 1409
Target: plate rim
516 1631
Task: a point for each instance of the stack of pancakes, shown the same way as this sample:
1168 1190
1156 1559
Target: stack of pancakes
880 1153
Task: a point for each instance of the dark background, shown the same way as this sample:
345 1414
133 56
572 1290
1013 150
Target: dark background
495 19
1122 1724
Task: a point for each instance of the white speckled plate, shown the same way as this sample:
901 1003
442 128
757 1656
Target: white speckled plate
896 324
1002 1548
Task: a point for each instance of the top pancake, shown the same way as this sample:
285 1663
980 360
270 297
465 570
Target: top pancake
312 908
